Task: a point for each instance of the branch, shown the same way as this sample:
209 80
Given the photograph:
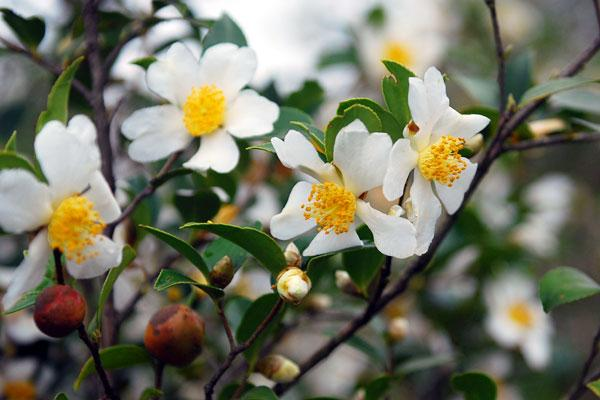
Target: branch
580 388
210 386
499 55
568 138
225 322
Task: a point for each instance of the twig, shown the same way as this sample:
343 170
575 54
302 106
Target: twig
159 369
93 347
579 137
225 322
499 55
210 386
60 277
579 389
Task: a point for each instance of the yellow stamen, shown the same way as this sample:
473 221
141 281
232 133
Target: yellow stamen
398 52
204 110
521 314
442 162
331 206
19 390
73 226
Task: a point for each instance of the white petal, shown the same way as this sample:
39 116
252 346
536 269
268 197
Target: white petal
452 197
251 115
356 125
426 210
501 329
67 161
403 159
174 76
362 159
296 152
537 350
290 222
103 198
107 255
83 127
218 152
326 243
30 272
393 236
228 67
24 201
453 123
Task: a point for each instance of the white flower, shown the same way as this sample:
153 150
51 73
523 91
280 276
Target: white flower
516 318
339 196
69 213
430 148
206 100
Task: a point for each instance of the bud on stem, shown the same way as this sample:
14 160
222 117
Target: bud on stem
222 273
293 285
278 368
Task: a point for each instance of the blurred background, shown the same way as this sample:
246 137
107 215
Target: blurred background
537 210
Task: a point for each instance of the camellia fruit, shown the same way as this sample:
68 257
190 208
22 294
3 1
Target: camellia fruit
174 335
59 310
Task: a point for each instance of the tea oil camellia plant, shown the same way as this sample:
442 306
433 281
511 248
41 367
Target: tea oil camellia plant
356 206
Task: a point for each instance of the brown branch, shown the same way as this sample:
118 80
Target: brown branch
159 369
580 388
210 386
93 347
60 277
225 322
575 137
499 55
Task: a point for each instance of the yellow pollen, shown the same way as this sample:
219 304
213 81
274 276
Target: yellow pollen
331 206
19 390
398 52
442 162
520 314
204 110
73 226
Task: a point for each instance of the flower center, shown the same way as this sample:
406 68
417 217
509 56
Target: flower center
331 206
19 390
398 52
204 110
442 162
521 315
73 226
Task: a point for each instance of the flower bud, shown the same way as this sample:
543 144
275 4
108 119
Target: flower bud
278 368
397 329
292 256
317 302
293 285
222 273
345 283
59 310
174 335
474 144
544 127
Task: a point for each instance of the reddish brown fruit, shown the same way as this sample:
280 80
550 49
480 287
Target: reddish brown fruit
174 335
59 310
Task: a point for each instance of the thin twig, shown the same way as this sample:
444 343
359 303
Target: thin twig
579 137
225 322
210 386
499 55
60 277
159 369
579 389
93 347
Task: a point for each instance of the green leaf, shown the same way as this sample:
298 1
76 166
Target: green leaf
201 205
583 100
260 393
254 241
519 74
119 356
553 86
594 386
151 393
355 111
564 285
30 31
224 30
28 298
9 160
11 143
395 91
590 125
287 115
170 277
111 278
315 135
378 387
388 121
308 98
58 99
219 248
181 246
61 396
268 147
254 315
474 386
144 62
362 265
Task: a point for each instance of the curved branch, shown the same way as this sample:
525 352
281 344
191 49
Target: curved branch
580 388
568 138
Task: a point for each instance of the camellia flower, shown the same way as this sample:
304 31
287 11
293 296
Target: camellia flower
339 197
68 213
206 101
516 317
430 148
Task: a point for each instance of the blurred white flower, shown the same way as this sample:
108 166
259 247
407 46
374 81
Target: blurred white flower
453 285
516 318
498 365
430 148
491 199
520 20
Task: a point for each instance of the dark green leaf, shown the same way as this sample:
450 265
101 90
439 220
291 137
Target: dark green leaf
594 386
314 134
553 86
519 74
58 99
395 91
28 298
354 112
11 143
254 241
200 206
151 393
119 356
362 265
144 62
264 147
9 160
564 285
30 31
219 248
388 122
181 246
378 387
260 393
61 396
170 277
224 30
287 115
308 98
474 386
229 390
